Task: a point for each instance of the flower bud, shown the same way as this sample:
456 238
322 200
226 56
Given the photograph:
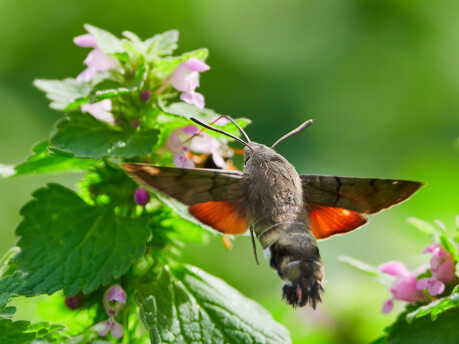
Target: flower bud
145 95
141 196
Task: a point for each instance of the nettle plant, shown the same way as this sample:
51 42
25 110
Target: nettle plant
431 291
112 249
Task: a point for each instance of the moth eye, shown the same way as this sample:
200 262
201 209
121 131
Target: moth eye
246 159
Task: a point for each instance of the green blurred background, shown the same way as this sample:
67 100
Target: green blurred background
380 78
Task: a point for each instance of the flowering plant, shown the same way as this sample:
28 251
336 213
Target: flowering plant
111 248
429 289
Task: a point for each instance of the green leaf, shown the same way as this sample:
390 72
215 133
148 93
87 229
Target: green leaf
42 161
437 307
108 43
68 244
380 340
162 44
24 332
186 305
423 226
10 286
64 93
423 330
86 137
361 266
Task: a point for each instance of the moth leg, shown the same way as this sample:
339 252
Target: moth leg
254 246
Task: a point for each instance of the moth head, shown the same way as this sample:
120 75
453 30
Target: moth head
255 149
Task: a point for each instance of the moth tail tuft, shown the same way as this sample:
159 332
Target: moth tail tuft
303 291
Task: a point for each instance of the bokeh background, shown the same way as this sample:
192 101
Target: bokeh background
380 78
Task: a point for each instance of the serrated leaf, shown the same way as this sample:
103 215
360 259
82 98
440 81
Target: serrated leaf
68 244
24 332
43 162
436 307
108 43
443 330
10 286
86 137
162 44
186 305
63 93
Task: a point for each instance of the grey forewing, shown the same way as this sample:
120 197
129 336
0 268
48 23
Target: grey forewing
365 195
190 186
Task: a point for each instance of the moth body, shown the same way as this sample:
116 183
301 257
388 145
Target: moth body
276 213
287 211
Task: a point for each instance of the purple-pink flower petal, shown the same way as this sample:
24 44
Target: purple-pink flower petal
193 98
218 159
191 130
394 268
195 65
85 41
445 271
100 110
115 293
219 120
423 283
433 286
114 299
436 288
185 78
109 325
117 330
102 328
182 161
441 264
100 62
404 288
387 306
436 249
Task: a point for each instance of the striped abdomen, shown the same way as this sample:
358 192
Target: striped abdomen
295 256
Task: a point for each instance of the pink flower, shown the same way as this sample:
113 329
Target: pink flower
404 286
442 268
433 286
178 148
110 325
96 60
202 143
186 79
206 144
114 299
441 264
100 110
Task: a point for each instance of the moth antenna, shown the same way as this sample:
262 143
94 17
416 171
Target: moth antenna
219 131
293 132
254 246
239 127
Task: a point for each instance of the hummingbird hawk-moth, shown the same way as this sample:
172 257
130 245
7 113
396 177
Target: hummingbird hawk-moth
288 212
